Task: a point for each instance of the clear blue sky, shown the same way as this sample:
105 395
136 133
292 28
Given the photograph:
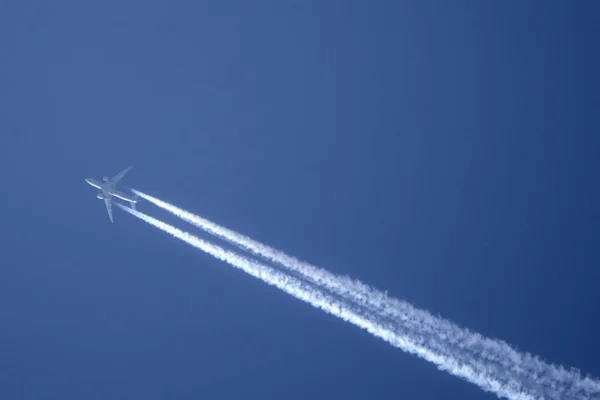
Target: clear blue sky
444 151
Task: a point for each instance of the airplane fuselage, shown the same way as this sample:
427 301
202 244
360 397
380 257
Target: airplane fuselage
110 191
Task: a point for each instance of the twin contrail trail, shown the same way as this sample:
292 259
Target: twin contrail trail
369 298
491 364
321 300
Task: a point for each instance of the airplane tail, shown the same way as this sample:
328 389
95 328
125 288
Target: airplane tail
135 199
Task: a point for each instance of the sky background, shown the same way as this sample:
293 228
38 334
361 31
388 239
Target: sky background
446 152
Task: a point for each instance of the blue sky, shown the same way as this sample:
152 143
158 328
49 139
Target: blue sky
446 152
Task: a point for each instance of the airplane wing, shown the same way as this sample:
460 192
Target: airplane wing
108 203
115 179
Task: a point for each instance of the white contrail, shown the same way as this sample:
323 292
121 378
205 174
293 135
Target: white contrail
495 351
488 377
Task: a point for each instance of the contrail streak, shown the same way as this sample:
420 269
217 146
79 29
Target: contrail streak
488 377
521 365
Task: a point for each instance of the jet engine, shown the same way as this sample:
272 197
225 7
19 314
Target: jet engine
100 196
105 178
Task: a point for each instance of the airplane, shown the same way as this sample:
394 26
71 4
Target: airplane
109 190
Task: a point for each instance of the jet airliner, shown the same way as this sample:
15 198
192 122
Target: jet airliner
108 190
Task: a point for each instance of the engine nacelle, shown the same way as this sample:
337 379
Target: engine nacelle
105 178
100 196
